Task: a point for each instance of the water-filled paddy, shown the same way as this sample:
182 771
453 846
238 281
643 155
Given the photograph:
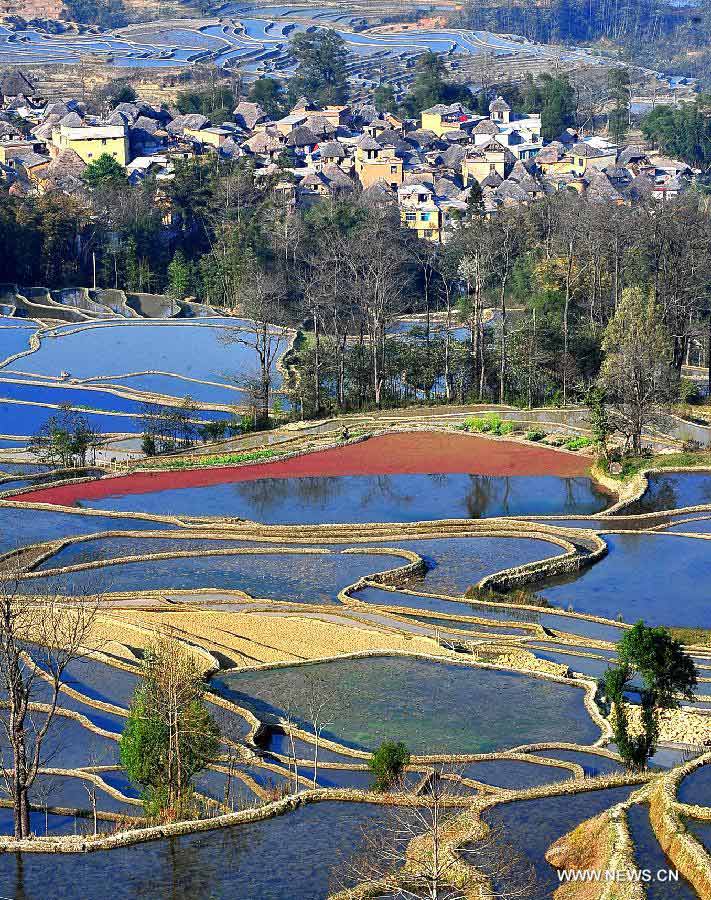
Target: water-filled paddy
649 855
25 419
531 826
701 829
673 491
185 348
453 564
115 547
642 577
512 773
66 791
178 386
14 340
289 856
433 707
698 526
367 498
386 478
593 764
299 577
696 787
20 527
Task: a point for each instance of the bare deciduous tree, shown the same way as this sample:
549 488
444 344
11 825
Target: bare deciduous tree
411 854
56 632
260 296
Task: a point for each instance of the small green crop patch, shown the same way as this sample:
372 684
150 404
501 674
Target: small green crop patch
199 462
490 423
578 443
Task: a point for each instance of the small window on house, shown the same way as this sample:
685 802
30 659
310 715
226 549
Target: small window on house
410 217
492 167
393 170
103 142
89 155
425 217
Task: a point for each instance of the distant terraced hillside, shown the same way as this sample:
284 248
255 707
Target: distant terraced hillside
30 9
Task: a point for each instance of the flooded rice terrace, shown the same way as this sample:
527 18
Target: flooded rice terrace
341 574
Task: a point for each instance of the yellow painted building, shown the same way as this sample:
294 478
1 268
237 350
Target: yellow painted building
483 161
210 137
441 118
92 141
375 163
419 211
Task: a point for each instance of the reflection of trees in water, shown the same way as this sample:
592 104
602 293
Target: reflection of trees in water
268 494
449 495
485 491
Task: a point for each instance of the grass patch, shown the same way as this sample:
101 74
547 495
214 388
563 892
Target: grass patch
635 464
700 636
516 596
200 462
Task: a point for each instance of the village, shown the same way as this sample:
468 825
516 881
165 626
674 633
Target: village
439 168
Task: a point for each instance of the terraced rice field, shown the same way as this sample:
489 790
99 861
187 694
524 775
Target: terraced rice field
341 574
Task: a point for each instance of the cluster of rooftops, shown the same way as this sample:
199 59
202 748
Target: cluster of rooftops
429 167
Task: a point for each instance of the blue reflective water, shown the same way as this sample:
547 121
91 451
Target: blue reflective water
289 856
511 773
701 829
696 787
533 825
115 547
14 340
674 491
195 349
369 498
649 855
642 577
179 386
80 398
301 578
592 763
21 526
433 707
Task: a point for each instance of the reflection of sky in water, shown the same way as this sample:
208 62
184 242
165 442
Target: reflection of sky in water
303 578
287 856
649 855
19 527
453 563
662 579
531 826
371 498
674 491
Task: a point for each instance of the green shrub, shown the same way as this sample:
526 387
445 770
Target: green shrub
474 423
534 435
387 763
689 391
